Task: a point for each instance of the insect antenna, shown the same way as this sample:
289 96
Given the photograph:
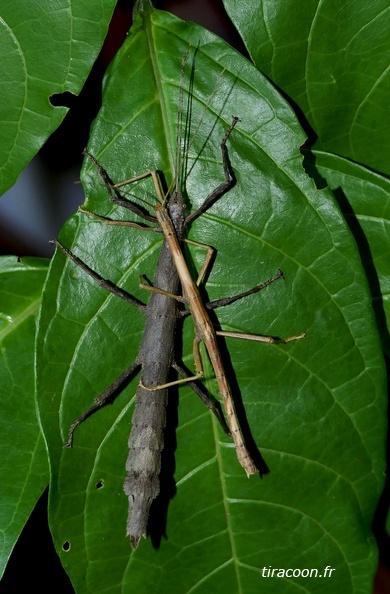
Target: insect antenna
184 138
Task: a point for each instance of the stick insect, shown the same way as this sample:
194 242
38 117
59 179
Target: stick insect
156 356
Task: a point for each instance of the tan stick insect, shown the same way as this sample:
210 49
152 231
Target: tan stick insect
156 355
204 330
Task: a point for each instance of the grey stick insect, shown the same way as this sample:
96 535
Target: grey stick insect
157 351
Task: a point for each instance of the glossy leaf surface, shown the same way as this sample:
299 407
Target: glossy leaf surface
314 408
332 60
24 468
364 198
46 48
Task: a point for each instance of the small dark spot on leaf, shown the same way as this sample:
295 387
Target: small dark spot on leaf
100 484
66 546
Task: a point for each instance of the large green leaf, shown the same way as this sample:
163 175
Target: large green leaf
46 48
364 198
24 468
315 408
332 59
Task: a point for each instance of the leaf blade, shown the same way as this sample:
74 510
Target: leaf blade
299 405
47 49
24 468
332 61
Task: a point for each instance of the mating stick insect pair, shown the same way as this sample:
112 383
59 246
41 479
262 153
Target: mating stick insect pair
157 356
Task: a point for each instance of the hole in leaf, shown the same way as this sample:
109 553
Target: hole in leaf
66 546
65 99
100 484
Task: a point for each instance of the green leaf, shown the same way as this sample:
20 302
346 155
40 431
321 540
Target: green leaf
24 468
331 58
46 48
315 408
364 197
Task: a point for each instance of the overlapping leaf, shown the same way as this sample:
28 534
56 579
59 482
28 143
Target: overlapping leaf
365 200
332 60
315 408
24 469
46 48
